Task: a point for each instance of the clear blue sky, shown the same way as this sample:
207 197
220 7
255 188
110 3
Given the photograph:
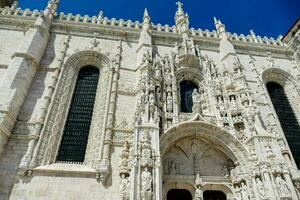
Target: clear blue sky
265 17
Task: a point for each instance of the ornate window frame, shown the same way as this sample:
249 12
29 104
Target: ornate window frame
186 74
52 131
289 83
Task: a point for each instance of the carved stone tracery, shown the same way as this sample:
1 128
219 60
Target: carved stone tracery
49 142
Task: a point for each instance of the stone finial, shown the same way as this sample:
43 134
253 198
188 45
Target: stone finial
220 27
100 14
146 15
146 20
180 17
179 8
15 4
182 21
51 8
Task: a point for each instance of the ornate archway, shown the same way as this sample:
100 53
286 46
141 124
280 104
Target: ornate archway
196 147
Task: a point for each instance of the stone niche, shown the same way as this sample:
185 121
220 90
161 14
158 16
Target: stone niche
190 156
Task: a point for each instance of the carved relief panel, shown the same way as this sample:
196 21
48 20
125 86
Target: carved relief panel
191 156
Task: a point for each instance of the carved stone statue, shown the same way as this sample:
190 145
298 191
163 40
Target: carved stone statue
196 101
198 180
124 187
282 186
198 193
260 188
146 159
169 102
146 184
124 164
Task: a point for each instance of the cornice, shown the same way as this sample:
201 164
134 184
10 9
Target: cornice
162 35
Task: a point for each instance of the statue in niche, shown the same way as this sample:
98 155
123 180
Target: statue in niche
260 188
233 103
124 187
196 101
228 81
151 105
269 150
156 115
282 186
157 72
146 184
158 96
152 99
244 192
169 102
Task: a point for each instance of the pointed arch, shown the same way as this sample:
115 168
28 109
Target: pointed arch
222 139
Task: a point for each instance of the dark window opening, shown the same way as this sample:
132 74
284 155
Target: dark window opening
76 131
179 194
213 195
286 117
186 92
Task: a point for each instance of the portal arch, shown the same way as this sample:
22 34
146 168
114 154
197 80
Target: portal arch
224 141
216 149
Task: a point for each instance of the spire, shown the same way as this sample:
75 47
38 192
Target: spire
145 39
146 20
51 8
179 9
180 17
226 48
220 28
146 14
182 21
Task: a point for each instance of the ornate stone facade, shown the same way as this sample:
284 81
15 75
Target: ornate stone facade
141 145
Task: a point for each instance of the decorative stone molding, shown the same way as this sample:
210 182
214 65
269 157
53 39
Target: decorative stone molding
48 144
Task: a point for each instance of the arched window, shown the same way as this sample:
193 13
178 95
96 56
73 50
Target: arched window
76 131
186 91
286 117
